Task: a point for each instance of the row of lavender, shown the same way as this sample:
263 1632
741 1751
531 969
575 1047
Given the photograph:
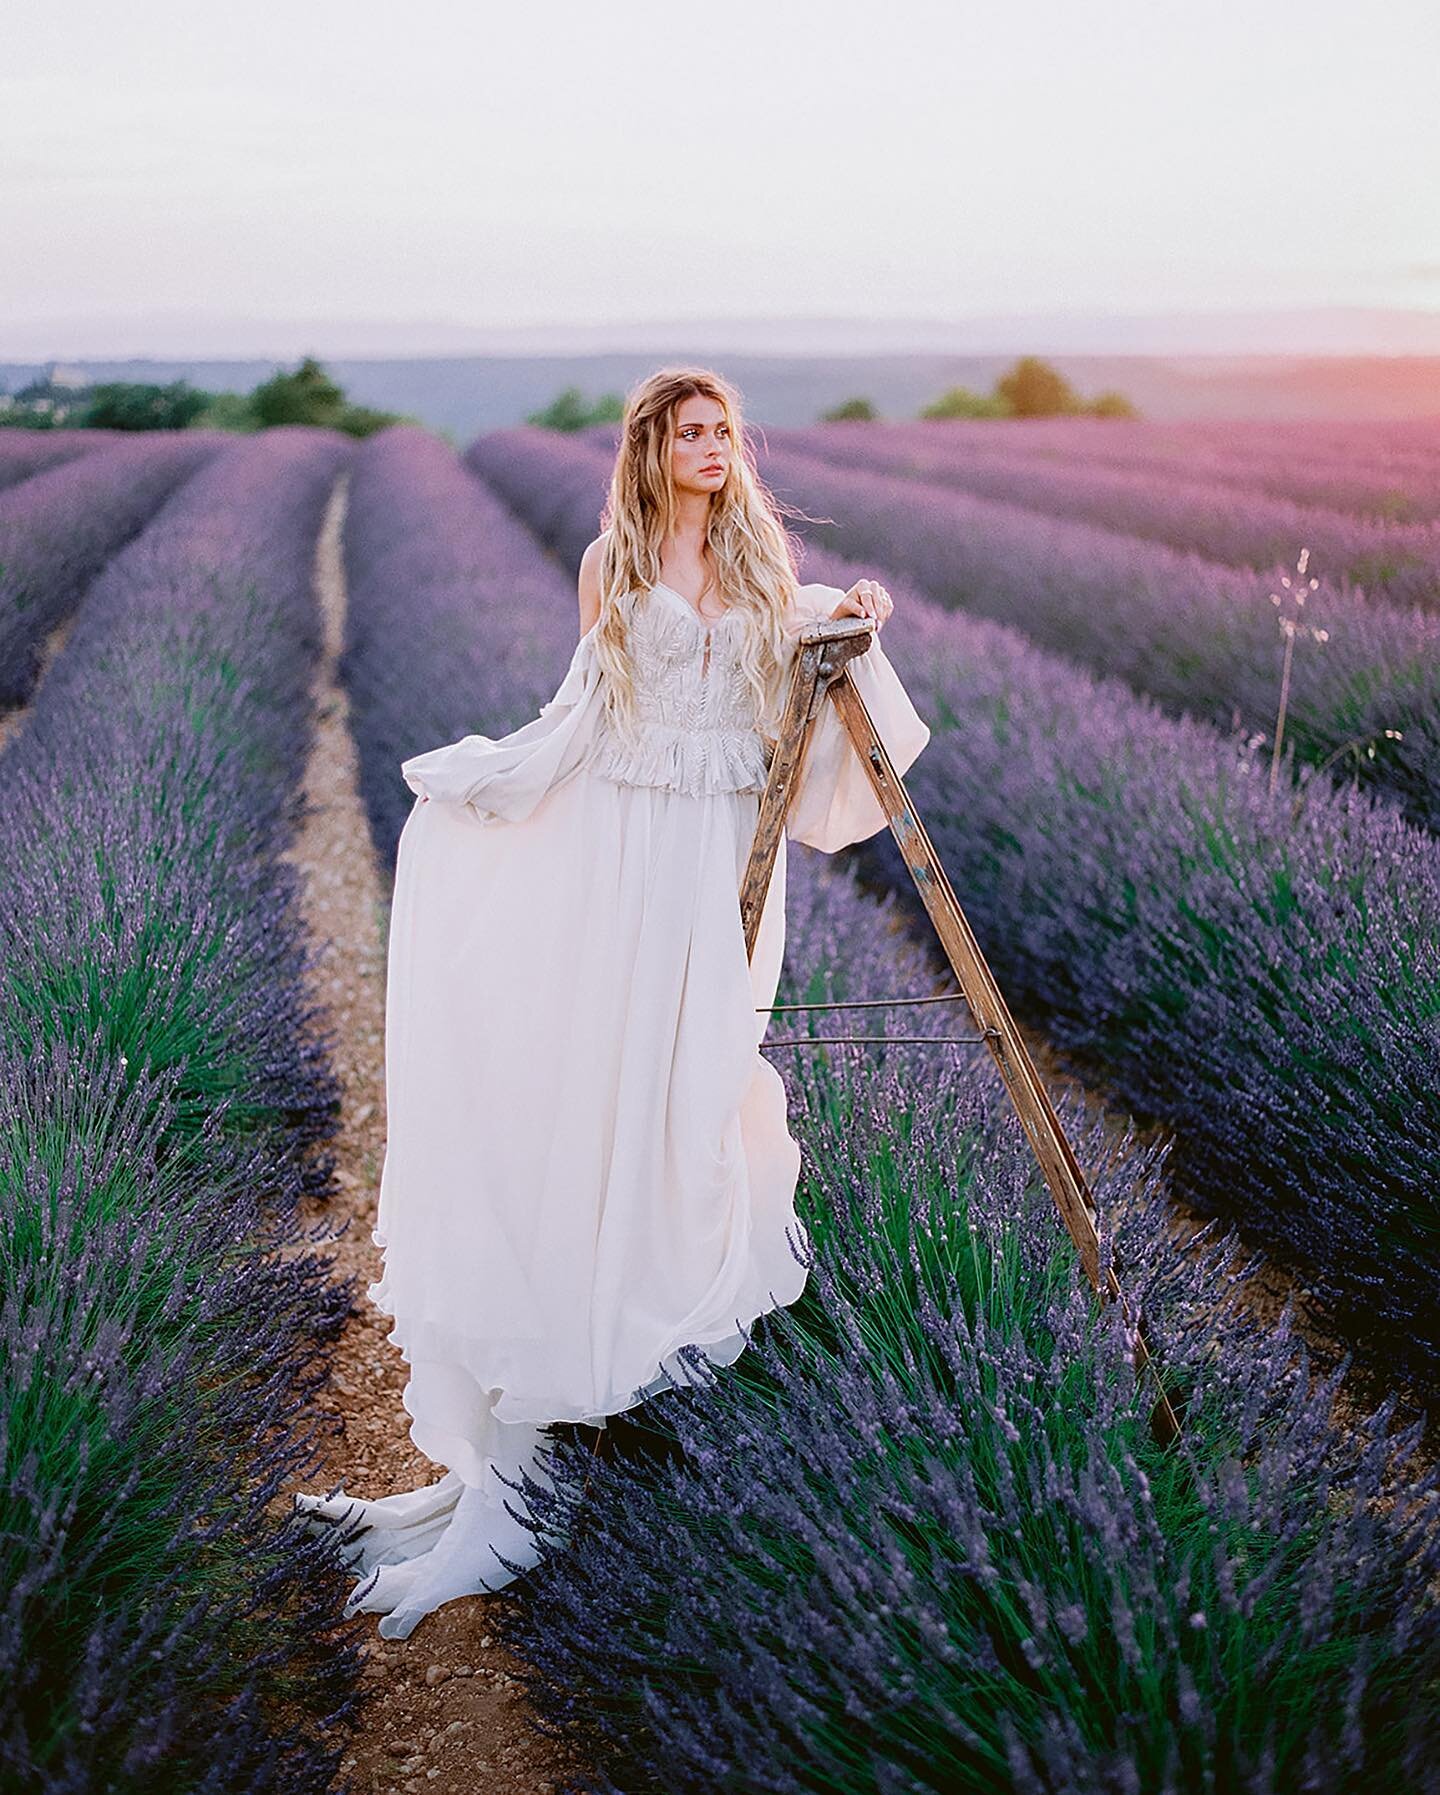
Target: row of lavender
1381 559
61 525
161 1113
1262 973
921 1538
27 452
1363 469
416 522
1201 639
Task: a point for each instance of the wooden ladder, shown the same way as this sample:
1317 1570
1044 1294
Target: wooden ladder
821 667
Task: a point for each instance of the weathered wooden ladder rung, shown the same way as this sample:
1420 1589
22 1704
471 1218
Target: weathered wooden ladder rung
821 668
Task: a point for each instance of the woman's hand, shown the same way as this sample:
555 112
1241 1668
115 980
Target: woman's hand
866 598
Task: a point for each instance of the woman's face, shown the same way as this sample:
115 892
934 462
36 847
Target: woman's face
700 453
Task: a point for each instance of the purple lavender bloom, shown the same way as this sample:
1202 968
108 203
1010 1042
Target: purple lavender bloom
435 560
1174 502
1378 471
164 1104
27 452
1263 974
920 1538
60 527
1201 639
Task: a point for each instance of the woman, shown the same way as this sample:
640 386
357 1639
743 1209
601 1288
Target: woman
587 1165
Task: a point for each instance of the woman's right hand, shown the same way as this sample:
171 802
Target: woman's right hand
866 598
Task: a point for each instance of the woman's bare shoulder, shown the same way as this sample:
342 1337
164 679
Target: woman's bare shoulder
589 582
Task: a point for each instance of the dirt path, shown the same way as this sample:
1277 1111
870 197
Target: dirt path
12 722
447 1718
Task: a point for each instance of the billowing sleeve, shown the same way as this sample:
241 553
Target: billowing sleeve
502 779
833 803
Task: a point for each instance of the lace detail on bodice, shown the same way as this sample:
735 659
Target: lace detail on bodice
694 707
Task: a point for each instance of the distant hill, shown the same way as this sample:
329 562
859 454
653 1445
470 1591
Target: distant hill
467 394
193 336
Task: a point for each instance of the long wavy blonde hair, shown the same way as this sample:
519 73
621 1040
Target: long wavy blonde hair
755 557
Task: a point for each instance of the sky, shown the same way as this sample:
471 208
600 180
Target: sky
626 160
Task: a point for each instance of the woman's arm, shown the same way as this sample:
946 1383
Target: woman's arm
833 803
590 585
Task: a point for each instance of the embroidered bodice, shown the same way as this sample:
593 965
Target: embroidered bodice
695 709
697 729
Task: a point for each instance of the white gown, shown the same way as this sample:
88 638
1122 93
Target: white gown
587 1163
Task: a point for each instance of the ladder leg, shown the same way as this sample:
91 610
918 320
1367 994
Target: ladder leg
816 675
806 694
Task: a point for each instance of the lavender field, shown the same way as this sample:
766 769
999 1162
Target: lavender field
920 1538
162 1110
927 1529
1259 972
1203 638
60 525
1193 509
1384 471
26 452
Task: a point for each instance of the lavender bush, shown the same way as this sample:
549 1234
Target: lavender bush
27 452
1200 639
1352 467
921 1539
1261 973
58 529
435 561
1399 562
163 1105
555 483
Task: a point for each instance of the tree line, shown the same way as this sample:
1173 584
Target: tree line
303 395
1032 388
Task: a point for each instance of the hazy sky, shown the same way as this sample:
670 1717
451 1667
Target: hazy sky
633 159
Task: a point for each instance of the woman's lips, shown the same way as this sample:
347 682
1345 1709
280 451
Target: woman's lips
712 469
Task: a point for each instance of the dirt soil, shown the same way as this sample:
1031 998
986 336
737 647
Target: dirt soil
447 1716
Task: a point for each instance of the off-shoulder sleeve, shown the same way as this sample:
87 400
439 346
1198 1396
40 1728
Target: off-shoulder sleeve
502 779
833 803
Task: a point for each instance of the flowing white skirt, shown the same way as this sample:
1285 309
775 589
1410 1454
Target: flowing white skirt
588 1163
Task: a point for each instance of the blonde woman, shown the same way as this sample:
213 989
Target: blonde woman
588 1165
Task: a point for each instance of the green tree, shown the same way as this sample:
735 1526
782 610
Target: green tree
848 410
569 411
228 411
365 420
306 396
310 396
1111 404
961 402
142 405
1033 389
